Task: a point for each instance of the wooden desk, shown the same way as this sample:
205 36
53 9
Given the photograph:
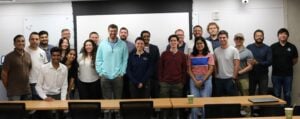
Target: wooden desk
105 104
199 102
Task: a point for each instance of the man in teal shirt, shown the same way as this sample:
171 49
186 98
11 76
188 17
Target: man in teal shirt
111 63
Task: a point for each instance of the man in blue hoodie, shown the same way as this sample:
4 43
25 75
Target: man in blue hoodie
111 62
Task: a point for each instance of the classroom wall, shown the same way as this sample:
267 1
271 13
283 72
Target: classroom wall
13 16
236 17
293 18
271 15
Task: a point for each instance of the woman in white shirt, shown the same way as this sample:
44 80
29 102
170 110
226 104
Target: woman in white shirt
89 83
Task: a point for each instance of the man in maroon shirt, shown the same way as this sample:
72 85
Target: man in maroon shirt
172 72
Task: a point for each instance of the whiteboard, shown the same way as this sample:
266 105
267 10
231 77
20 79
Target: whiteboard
53 24
160 25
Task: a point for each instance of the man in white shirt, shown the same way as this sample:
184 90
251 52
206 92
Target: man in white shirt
38 58
52 82
53 78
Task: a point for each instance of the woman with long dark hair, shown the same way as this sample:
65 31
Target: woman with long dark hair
71 62
200 68
89 83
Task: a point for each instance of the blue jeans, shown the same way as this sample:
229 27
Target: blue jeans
205 91
285 83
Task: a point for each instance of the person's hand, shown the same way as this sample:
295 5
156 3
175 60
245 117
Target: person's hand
198 83
49 99
140 85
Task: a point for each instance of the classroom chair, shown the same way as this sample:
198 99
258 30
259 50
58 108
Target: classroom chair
84 110
136 109
222 110
12 110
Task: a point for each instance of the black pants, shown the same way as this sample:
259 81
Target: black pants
260 79
47 114
89 90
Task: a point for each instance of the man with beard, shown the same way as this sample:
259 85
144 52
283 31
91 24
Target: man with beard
262 60
43 35
123 34
154 57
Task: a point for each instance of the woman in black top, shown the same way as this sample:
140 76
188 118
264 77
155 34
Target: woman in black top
72 65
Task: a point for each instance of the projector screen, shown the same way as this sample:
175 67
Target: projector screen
160 25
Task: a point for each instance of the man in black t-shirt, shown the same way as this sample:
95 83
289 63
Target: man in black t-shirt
285 56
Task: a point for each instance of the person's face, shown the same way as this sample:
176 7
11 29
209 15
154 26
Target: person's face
180 35
239 41
283 37
197 31
112 33
223 39
66 34
88 47
139 45
95 38
200 45
146 37
259 37
212 30
123 34
71 56
20 43
65 44
173 42
44 39
34 41
55 57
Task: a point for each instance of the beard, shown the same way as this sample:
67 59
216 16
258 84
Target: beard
259 42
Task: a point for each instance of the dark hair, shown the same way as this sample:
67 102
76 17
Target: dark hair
223 32
123 28
17 37
43 32
55 49
171 36
113 26
283 30
205 50
74 62
33 33
212 23
139 38
197 26
94 51
258 30
145 31
94 32
61 40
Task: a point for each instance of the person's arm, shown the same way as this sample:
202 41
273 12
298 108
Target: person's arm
71 85
267 62
236 63
99 61
209 73
129 73
295 57
189 70
64 88
4 77
246 69
39 86
161 67
124 60
184 69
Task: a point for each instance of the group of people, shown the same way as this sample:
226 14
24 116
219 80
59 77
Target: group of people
115 68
